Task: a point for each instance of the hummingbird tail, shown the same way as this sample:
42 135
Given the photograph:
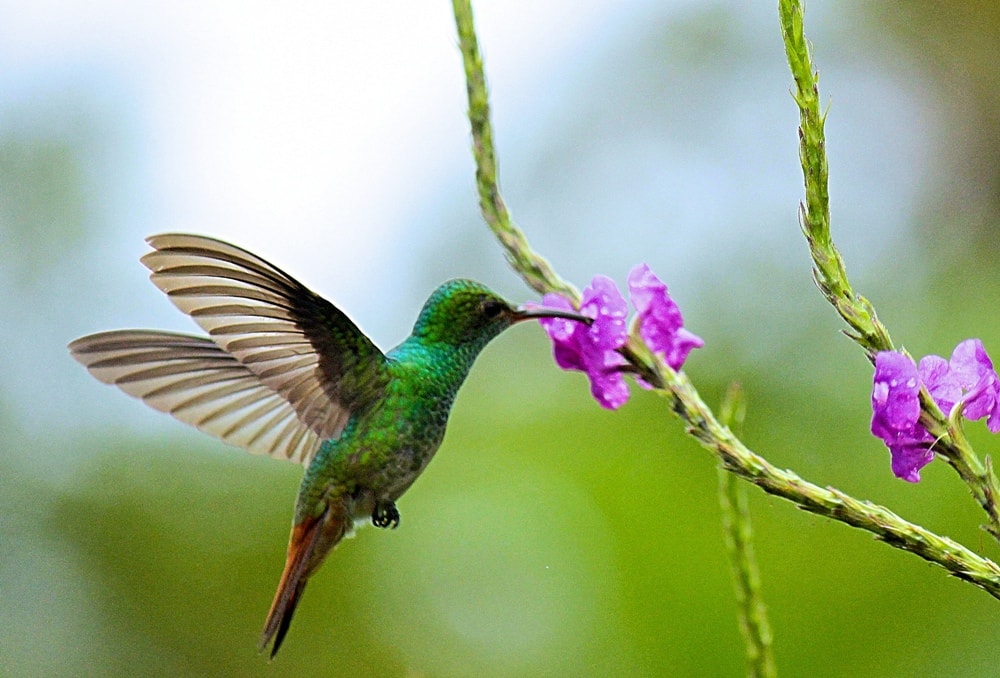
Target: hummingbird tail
310 542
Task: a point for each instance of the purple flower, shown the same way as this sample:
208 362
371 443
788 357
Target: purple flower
909 456
973 372
895 411
660 323
594 349
935 374
968 378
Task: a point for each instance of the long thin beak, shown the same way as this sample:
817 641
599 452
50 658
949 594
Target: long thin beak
528 313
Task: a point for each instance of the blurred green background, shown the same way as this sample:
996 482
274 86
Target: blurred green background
549 537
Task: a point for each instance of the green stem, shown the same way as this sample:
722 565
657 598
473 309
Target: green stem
956 449
830 273
825 501
534 269
738 530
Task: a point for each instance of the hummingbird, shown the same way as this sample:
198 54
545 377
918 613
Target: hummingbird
284 372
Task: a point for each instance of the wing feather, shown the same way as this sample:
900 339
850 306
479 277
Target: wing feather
295 342
198 383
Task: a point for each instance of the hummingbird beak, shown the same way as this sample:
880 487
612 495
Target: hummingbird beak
532 312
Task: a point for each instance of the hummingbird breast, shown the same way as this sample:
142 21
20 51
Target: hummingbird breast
382 450
403 434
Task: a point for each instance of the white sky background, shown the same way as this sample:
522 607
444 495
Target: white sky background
305 131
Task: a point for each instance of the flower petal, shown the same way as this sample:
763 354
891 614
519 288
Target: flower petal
661 325
942 383
593 349
607 385
974 369
602 301
895 391
908 458
558 329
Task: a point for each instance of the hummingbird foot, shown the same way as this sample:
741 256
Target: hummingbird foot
385 515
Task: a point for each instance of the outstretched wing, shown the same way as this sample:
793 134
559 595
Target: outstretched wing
197 382
294 341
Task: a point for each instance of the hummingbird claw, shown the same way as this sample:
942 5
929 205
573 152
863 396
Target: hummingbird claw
385 515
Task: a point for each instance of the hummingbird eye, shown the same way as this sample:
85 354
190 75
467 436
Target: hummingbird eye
492 308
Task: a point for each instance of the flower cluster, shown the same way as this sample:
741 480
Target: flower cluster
594 349
968 379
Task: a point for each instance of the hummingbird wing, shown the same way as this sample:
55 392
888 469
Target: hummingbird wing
200 384
295 342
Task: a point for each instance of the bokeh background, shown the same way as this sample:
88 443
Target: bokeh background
549 537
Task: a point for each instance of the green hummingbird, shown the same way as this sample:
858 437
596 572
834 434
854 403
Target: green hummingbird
286 373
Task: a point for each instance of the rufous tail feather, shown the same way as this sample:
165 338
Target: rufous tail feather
310 542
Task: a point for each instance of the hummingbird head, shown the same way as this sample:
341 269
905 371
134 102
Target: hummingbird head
467 314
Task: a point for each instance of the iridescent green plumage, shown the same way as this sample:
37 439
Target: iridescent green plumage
391 441
285 373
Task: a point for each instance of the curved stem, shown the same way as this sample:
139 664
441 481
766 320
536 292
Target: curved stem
825 501
534 269
830 273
